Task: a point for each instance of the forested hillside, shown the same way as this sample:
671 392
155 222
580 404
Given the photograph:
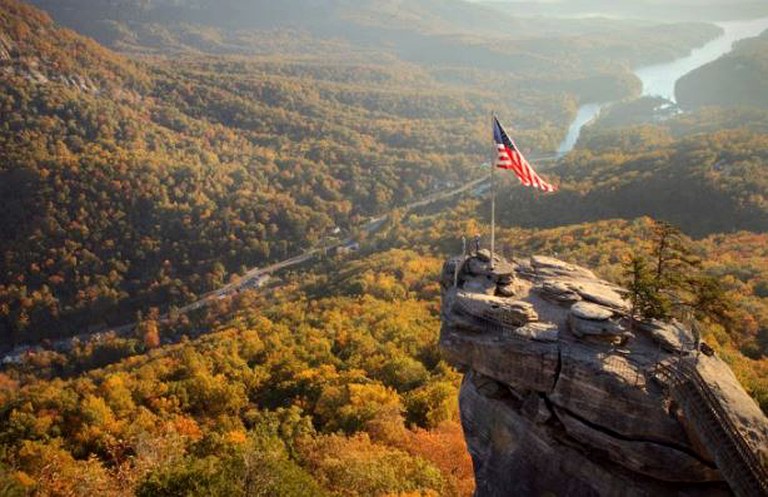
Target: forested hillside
127 184
137 183
331 384
704 172
132 184
738 78
293 395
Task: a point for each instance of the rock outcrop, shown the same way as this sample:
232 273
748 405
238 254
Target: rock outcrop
563 395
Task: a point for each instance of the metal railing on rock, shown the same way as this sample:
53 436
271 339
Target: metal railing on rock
738 462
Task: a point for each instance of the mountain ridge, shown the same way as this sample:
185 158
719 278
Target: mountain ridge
33 47
736 79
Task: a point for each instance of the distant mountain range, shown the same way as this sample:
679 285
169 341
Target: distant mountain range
452 32
126 184
361 19
666 10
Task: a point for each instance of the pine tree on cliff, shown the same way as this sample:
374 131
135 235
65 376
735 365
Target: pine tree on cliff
680 276
642 291
675 285
674 261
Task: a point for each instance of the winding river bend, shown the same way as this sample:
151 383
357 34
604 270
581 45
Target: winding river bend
659 79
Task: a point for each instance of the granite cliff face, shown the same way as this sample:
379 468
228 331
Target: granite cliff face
563 396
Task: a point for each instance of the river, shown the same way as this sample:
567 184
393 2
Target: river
659 79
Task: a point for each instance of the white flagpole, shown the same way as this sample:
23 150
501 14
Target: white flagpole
493 193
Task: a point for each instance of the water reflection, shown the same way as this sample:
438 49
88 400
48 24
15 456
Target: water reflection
659 80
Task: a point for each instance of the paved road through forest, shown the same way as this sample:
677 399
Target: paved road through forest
250 278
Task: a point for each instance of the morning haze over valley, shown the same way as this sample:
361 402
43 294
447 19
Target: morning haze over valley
386 248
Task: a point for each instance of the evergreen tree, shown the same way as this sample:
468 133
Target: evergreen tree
642 291
675 286
674 260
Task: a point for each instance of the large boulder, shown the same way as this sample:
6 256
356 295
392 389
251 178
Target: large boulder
549 266
672 337
588 319
497 311
559 291
591 312
560 397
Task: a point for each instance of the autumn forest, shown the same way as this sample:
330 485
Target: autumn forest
152 152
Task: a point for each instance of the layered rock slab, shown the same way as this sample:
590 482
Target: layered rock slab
515 456
570 390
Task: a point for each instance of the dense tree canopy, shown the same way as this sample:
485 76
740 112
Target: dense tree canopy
134 185
332 381
704 172
344 395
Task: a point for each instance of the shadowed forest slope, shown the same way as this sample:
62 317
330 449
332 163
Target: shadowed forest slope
739 78
703 171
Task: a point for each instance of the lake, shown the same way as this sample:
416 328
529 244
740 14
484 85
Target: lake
659 79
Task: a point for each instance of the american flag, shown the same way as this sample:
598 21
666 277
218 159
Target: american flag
510 157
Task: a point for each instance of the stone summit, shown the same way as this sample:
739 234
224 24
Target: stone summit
565 395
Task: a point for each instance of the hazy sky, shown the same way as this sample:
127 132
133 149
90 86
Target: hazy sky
629 2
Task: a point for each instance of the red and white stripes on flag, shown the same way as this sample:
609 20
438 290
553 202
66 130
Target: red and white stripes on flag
509 157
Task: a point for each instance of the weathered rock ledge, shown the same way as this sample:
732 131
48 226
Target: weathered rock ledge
564 396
